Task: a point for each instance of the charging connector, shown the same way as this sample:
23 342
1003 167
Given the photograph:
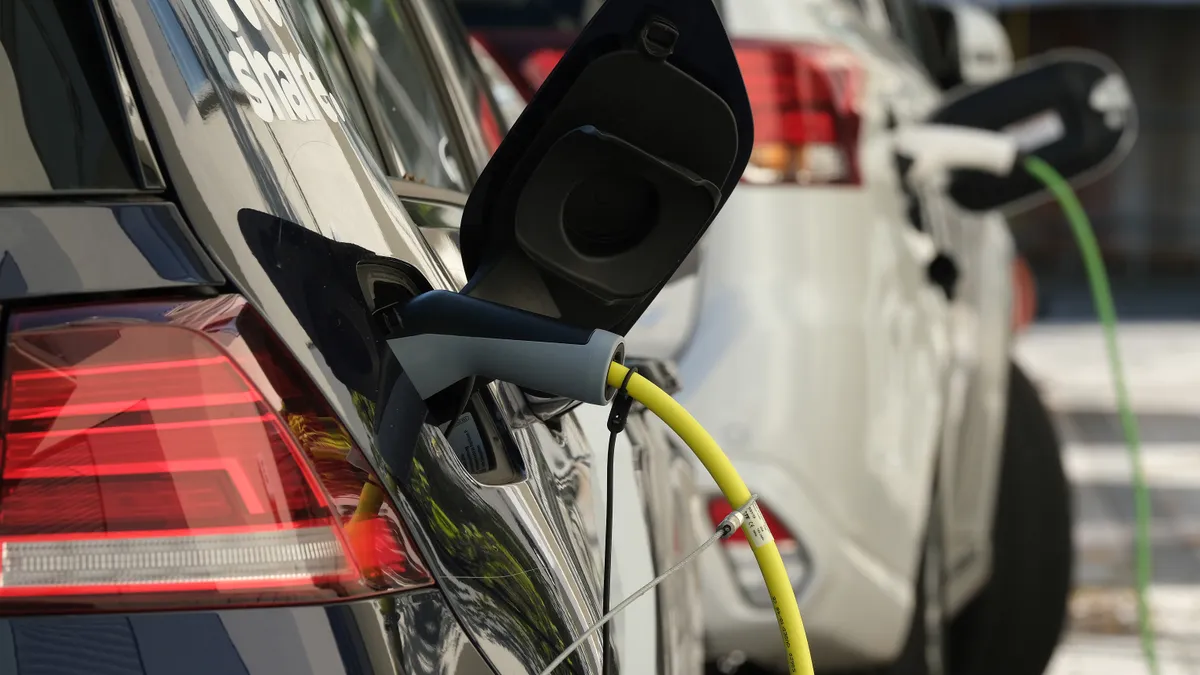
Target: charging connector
935 150
444 337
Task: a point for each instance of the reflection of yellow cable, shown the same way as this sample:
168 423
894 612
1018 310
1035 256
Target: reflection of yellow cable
359 534
783 597
370 500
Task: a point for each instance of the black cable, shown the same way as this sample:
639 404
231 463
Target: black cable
621 405
608 518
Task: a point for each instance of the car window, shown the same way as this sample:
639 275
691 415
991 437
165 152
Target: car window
386 50
62 123
316 36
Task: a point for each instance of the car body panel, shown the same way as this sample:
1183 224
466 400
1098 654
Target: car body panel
635 632
67 250
831 346
984 340
854 609
515 562
403 635
656 502
676 518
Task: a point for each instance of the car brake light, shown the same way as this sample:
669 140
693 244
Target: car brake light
805 101
174 455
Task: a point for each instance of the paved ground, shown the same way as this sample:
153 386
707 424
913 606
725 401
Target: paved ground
1163 366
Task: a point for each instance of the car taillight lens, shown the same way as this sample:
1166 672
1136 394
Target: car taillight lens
741 558
805 100
174 455
536 67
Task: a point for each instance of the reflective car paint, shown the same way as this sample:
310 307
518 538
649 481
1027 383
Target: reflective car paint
408 633
514 562
67 250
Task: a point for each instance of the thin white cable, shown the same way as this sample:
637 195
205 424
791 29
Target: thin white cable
732 523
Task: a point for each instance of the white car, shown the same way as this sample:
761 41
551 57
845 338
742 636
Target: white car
846 338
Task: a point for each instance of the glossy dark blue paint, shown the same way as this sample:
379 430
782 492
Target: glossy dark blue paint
405 634
96 248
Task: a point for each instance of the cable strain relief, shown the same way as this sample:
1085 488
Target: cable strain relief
621 405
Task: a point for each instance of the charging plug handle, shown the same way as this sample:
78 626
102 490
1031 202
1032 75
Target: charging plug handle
445 337
936 150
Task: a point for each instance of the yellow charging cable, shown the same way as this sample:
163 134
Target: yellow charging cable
783 597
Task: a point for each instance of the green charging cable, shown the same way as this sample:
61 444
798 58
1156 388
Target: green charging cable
1102 295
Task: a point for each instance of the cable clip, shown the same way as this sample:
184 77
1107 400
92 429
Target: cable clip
621 405
734 521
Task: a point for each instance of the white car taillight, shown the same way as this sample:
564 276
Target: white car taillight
741 557
805 100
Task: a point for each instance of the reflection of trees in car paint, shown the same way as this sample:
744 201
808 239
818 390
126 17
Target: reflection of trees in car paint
573 486
500 571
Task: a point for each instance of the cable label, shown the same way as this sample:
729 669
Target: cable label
468 444
756 528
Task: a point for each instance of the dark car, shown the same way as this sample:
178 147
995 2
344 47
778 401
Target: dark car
212 213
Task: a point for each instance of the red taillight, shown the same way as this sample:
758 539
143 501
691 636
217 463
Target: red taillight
718 508
805 100
174 455
536 67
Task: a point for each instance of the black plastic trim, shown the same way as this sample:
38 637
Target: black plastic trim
441 312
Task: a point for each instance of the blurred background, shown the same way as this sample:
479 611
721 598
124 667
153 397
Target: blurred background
1146 219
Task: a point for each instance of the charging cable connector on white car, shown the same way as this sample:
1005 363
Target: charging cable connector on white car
937 149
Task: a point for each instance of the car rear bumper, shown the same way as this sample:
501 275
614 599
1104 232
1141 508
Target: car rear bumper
855 613
398 634
807 296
